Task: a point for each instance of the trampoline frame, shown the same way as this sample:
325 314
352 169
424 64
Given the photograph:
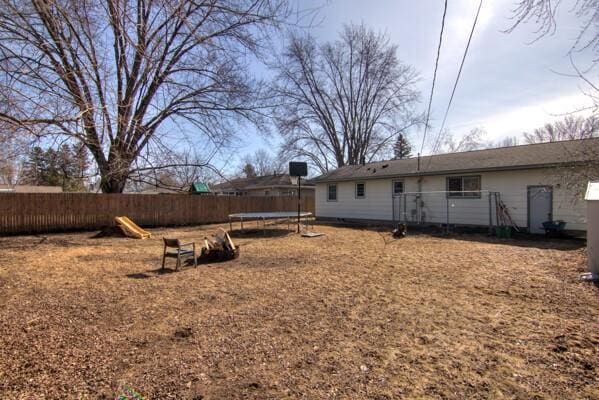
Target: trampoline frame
264 216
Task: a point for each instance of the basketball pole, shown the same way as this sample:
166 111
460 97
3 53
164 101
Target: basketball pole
299 200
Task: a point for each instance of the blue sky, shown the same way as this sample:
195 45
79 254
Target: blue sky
508 85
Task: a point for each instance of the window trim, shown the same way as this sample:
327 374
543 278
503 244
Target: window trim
403 187
329 192
475 196
356 190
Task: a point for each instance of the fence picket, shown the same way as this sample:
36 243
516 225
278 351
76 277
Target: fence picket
54 212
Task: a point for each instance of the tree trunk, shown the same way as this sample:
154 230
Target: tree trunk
113 184
114 172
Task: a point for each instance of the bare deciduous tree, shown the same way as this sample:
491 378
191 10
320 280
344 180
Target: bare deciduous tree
263 163
12 154
117 75
345 101
570 128
174 164
473 140
507 142
543 13
573 177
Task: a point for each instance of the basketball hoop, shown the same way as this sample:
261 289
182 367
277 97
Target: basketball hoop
297 169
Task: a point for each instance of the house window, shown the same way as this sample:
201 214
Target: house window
397 188
360 190
463 186
332 192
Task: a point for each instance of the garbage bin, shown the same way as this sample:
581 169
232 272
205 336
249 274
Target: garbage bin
503 232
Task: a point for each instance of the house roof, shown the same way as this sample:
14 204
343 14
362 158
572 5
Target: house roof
258 182
156 191
506 158
30 189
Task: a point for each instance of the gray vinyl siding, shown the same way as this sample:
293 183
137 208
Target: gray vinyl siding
377 204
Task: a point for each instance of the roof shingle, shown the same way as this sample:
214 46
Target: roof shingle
258 182
505 158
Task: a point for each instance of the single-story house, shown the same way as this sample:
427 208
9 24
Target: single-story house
524 185
30 189
267 185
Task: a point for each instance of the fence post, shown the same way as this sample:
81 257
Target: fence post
393 207
447 213
490 215
405 209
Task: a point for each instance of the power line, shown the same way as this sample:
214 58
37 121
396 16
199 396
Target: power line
430 99
455 85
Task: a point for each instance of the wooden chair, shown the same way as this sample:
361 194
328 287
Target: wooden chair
181 251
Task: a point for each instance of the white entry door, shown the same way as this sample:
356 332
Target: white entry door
540 207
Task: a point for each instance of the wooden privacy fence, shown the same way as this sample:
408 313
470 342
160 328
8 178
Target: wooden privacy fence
55 212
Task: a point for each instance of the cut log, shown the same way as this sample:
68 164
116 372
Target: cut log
216 255
230 241
219 247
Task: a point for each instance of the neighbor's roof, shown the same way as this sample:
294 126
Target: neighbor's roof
498 159
258 182
30 189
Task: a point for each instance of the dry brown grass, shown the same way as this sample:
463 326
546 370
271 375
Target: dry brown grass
351 315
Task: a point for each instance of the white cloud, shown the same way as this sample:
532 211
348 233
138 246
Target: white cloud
460 16
513 122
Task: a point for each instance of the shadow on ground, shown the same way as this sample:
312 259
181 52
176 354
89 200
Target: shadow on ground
258 233
524 240
475 235
170 269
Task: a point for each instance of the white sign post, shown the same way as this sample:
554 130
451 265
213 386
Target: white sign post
592 200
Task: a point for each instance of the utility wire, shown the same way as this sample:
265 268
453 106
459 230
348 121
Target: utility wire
455 85
430 99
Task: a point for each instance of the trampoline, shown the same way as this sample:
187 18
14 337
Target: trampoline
264 216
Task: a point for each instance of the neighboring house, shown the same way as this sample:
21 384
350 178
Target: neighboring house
537 182
269 185
29 189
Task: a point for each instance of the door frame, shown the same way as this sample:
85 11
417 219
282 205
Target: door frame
396 199
528 188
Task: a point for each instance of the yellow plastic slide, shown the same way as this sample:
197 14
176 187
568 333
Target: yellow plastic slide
131 229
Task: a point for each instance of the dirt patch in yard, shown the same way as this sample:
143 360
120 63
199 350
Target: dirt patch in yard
353 314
